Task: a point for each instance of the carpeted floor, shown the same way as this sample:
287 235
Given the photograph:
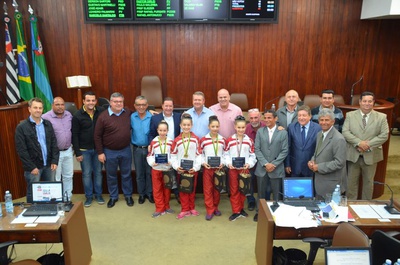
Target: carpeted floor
124 235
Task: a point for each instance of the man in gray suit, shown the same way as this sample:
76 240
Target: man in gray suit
271 149
288 114
365 131
329 159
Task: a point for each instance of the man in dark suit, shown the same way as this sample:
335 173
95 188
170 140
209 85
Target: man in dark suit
168 115
302 140
329 160
174 129
271 149
365 131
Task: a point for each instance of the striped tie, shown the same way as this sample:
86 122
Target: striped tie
364 120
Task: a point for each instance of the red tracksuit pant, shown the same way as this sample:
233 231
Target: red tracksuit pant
187 199
160 193
211 195
237 198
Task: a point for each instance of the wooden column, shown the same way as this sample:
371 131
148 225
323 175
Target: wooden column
11 173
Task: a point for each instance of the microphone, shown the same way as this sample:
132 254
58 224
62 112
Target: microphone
68 205
352 88
389 206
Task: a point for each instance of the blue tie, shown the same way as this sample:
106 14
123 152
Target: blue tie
303 134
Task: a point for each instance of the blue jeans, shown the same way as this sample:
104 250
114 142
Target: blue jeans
91 165
122 159
143 171
45 174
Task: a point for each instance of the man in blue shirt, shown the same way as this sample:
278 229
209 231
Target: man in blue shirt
140 124
200 115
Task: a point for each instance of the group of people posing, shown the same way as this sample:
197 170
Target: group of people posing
293 141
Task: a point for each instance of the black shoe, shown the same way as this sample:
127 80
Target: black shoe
150 198
255 219
251 206
234 216
129 201
111 203
141 199
243 213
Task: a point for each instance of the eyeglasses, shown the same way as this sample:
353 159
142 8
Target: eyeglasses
141 105
253 110
240 118
117 101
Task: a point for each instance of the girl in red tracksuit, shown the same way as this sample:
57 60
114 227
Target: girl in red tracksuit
161 144
212 145
238 145
186 146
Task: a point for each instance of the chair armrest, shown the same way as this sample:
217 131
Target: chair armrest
8 243
314 240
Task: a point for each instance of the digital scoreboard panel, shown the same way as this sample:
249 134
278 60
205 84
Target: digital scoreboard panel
180 11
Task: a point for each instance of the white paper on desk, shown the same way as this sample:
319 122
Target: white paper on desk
342 215
47 219
290 216
20 219
365 211
380 209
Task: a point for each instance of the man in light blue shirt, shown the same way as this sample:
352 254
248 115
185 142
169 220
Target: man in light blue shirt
200 115
140 124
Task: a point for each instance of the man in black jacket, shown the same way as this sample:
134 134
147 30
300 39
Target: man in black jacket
83 124
36 146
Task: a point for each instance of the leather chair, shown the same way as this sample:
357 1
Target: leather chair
312 101
339 99
71 107
5 260
240 99
151 89
104 102
355 100
384 246
346 235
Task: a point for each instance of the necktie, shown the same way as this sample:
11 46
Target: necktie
319 143
303 134
364 120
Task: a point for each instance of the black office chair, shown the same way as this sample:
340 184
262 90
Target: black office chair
71 107
6 260
104 102
384 246
346 235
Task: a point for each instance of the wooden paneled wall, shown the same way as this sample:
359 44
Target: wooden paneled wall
317 44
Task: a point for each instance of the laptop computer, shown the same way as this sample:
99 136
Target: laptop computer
45 196
348 256
299 192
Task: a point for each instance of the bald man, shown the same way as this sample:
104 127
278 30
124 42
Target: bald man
61 120
288 114
226 113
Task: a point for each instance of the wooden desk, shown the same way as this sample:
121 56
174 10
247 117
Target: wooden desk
70 230
267 231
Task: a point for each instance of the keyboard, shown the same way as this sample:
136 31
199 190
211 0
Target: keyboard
310 205
41 209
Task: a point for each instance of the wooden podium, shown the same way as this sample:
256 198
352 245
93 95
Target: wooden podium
11 173
386 107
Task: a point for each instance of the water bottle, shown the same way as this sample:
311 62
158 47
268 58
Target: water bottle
338 187
388 262
397 262
273 107
9 203
336 196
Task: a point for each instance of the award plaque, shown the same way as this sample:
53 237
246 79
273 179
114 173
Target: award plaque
186 164
238 162
214 161
161 158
